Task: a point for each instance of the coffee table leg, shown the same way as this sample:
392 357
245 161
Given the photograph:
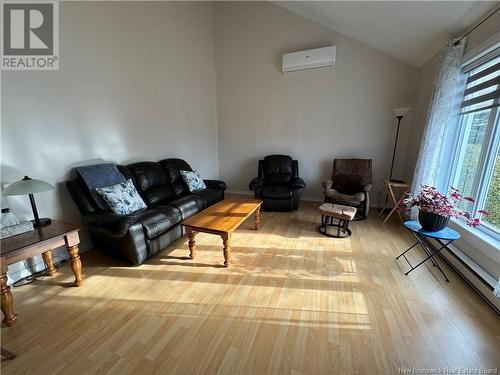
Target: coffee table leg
7 300
257 218
191 242
48 258
226 239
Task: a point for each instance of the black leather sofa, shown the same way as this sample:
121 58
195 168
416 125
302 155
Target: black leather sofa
136 237
278 183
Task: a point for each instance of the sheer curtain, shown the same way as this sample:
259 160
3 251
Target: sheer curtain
440 115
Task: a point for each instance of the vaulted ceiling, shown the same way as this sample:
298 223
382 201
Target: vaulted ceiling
411 31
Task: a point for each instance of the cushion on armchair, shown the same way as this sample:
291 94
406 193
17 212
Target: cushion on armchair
278 169
277 192
350 184
346 198
278 183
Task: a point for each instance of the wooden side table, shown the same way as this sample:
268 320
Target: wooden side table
39 241
390 186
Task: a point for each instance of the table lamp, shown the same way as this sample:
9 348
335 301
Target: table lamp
30 186
400 112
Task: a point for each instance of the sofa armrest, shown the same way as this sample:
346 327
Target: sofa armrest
215 184
255 183
298 183
327 184
367 187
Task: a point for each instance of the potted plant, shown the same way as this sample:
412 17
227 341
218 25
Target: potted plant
435 209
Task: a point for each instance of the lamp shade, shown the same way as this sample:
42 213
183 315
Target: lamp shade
401 111
27 186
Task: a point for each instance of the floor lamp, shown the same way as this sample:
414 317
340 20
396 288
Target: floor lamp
400 113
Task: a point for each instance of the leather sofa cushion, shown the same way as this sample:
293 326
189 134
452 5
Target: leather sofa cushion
154 221
278 169
172 168
147 175
158 195
159 220
189 205
211 196
151 181
276 192
81 196
127 173
111 224
160 242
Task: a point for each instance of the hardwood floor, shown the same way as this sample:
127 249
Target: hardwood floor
292 302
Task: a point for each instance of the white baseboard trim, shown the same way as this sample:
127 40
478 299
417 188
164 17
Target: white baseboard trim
480 280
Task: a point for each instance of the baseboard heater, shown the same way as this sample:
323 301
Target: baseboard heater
484 288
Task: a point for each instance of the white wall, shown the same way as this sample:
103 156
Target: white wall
136 82
313 116
484 31
426 82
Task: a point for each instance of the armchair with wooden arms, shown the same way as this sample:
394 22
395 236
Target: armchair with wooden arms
350 184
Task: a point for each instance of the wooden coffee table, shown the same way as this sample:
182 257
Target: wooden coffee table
222 219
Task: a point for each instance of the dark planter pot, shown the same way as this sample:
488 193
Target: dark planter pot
432 222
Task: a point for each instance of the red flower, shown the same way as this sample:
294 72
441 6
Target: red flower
474 222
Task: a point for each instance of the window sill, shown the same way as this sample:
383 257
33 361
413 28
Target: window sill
483 241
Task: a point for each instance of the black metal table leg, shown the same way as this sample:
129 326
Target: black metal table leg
430 255
404 252
427 249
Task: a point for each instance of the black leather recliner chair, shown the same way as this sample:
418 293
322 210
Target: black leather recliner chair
278 183
138 236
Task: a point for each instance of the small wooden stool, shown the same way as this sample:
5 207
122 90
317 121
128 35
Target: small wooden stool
336 215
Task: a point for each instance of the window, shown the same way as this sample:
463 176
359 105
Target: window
476 162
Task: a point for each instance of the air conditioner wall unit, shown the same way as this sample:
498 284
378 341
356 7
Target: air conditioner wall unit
311 59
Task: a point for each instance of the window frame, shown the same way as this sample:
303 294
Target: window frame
456 147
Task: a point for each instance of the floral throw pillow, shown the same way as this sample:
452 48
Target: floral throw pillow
193 180
122 198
